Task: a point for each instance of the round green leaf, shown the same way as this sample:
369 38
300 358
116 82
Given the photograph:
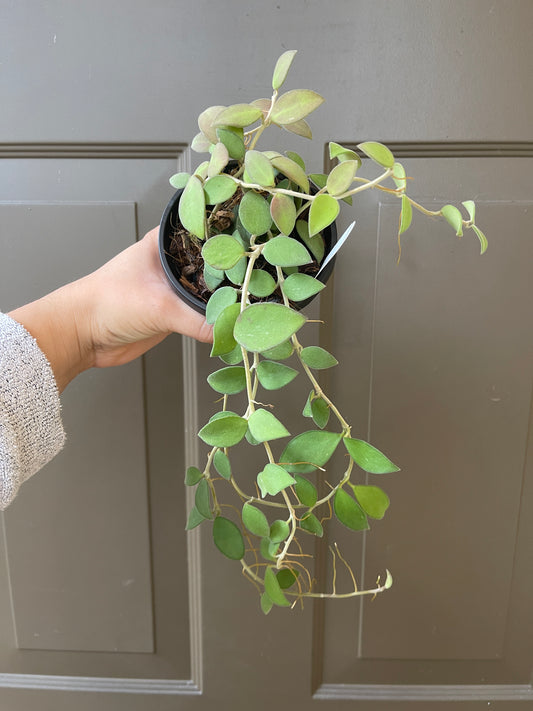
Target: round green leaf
452 215
282 67
264 426
399 176
261 283
228 381
283 212
254 213
193 476
218 301
224 432
234 357
273 479
239 115
295 105
194 519
273 589
228 538
348 511
200 143
237 273
259 169
314 244
309 450
317 358
298 287
281 352
341 177
324 210
300 128
274 376
379 153
320 412
368 457
373 500
223 339
222 251
191 208
285 251
233 140
212 277
206 121
291 170
263 326
268 549
222 464
179 180
255 520
219 160
279 531
311 524
305 491
286 578
219 189
202 499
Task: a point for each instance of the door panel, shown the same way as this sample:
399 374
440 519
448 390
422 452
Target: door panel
105 602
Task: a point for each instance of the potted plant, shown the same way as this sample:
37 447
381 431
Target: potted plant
249 238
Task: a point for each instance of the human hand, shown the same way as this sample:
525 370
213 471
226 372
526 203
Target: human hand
111 316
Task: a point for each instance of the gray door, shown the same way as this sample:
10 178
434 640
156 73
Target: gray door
105 602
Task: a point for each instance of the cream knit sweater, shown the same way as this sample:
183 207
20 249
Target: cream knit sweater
31 430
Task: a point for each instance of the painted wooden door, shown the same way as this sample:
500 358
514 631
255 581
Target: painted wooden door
105 602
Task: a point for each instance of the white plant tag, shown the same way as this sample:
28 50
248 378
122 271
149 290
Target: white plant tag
336 248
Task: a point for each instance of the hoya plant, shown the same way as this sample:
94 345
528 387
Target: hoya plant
253 235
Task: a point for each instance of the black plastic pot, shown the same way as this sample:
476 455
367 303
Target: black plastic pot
169 221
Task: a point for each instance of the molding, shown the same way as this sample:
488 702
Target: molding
101 684
93 150
415 692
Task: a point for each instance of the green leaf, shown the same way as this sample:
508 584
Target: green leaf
233 140
179 180
234 357
200 143
341 177
323 211
264 426
222 464
266 604
281 352
298 287
295 105
223 338
212 277
193 476
368 457
373 500
191 208
218 301
273 479
406 214
254 213
259 168
206 122
317 358
286 578
263 326
283 212
201 170
238 115
305 491
291 170
307 412
282 251
222 251
342 153
194 519
261 283
314 244
309 450
237 273
379 153
454 218
399 177
268 549
320 412
255 520
228 538
219 160
297 158
219 189
482 239
273 589
311 524
282 67
228 381
202 499
470 207
279 531
274 376
299 128
348 511
224 432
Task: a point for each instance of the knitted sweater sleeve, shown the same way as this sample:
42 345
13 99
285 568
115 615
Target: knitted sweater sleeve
31 430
